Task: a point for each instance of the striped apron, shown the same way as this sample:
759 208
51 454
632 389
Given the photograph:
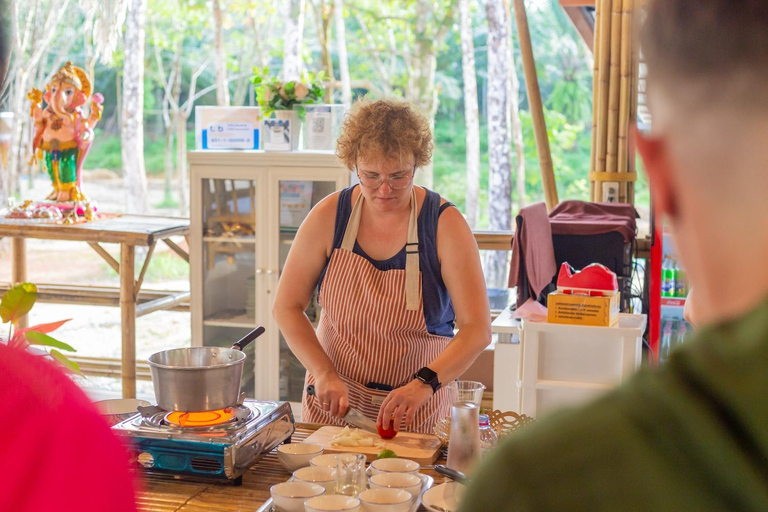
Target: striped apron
372 327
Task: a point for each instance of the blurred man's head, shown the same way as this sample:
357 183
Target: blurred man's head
707 154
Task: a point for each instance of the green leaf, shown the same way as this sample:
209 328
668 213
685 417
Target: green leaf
17 302
38 338
66 361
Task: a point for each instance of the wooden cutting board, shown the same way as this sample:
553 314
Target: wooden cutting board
422 448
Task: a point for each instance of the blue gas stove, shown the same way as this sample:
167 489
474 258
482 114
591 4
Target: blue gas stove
221 452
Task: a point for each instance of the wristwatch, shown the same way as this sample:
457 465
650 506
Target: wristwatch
428 376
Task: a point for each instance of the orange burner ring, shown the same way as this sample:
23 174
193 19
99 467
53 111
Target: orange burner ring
200 419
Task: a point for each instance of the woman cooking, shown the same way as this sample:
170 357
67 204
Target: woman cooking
396 266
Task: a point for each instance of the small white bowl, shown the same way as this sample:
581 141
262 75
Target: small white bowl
297 455
290 496
394 465
333 502
326 460
317 475
385 500
406 481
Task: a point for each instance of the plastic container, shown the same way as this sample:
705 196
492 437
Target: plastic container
566 365
488 437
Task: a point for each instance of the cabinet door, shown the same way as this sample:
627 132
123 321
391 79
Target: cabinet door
292 194
227 238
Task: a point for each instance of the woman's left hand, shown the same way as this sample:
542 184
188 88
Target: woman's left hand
403 402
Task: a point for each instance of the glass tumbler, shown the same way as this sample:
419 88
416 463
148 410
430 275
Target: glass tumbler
462 391
350 474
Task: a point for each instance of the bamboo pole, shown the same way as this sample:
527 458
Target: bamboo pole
635 76
611 149
603 84
625 100
595 95
536 106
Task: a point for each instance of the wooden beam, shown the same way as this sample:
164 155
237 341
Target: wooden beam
584 25
178 250
143 271
494 240
19 270
106 256
128 319
536 107
95 295
577 3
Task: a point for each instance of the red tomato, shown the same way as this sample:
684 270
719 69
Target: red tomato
386 433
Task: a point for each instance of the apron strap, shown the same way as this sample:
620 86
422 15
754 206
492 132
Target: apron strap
353 224
412 259
412 268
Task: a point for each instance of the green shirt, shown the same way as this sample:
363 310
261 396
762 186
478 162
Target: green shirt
690 436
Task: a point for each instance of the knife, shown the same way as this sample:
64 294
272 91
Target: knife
353 416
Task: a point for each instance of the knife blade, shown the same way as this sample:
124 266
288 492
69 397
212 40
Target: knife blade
353 416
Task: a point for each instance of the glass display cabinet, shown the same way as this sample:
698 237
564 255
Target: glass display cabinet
246 207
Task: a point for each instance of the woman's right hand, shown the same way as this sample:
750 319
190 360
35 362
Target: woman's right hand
332 394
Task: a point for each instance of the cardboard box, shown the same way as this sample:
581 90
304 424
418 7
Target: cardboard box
583 310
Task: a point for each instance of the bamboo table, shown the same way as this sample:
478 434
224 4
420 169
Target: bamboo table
129 231
162 493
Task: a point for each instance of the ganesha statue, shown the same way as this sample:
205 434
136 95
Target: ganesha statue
63 135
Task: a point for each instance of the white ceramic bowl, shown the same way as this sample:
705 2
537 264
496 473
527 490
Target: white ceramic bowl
290 496
317 475
326 460
385 500
406 481
394 465
297 455
333 502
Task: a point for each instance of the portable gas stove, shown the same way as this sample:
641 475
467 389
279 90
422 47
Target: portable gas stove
215 444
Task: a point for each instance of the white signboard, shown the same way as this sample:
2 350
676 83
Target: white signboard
230 135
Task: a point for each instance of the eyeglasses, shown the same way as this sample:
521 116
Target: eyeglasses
395 182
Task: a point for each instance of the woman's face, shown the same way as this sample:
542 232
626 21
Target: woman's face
396 178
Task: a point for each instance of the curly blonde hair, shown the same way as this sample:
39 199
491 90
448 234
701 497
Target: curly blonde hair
388 129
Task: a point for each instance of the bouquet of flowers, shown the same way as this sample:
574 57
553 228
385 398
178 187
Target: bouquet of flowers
273 94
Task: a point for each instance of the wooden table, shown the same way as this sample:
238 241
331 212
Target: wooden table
161 494
129 231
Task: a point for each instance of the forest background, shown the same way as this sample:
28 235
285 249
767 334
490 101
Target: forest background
458 60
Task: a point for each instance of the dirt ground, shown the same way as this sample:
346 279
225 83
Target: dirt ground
95 331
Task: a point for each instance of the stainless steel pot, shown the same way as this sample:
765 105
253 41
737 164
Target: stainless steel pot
199 378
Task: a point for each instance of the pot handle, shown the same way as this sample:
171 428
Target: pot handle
240 345
452 473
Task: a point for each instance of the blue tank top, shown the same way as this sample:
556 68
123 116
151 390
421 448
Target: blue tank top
438 308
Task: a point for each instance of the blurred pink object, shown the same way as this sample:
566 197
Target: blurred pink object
58 453
531 310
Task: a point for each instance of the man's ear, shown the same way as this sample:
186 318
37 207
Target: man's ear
657 164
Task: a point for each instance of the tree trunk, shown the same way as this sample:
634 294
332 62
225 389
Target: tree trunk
499 144
341 40
470 113
514 111
31 40
222 86
181 161
323 12
169 118
132 132
294 30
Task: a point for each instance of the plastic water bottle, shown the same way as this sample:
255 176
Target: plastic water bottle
488 437
666 340
681 286
668 277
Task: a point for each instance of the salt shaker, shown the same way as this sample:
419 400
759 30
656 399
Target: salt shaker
464 446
